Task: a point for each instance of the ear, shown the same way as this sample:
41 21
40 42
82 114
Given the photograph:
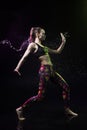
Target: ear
37 35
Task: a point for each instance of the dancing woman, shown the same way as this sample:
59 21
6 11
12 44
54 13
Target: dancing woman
46 71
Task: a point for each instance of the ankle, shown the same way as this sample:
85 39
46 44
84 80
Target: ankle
19 109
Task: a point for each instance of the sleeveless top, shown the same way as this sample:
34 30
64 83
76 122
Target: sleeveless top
41 51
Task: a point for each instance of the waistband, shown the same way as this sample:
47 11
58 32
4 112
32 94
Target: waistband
47 66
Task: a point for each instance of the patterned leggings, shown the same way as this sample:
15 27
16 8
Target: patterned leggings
46 73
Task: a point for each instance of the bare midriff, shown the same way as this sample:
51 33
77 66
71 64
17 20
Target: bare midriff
45 60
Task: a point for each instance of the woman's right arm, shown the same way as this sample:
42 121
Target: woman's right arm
24 57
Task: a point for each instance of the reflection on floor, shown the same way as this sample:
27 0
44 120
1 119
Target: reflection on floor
47 117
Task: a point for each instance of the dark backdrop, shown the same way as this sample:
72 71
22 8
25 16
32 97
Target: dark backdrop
16 19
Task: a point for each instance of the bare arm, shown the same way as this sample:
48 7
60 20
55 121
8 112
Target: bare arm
60 48
24 57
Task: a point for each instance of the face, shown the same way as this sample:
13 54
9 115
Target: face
42 35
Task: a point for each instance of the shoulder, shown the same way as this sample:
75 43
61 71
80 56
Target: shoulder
31 45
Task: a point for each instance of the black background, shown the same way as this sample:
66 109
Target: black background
16 19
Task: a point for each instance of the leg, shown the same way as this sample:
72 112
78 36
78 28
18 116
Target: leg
38 97
44 77
58 79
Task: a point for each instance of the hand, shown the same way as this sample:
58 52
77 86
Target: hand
15 70
63 37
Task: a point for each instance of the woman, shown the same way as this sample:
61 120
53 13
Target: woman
46 72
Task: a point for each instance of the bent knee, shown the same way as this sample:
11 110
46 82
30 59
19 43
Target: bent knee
41 94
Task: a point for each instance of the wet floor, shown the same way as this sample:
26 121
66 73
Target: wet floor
44 117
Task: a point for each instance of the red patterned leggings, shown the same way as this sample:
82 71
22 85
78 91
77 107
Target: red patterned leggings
46 73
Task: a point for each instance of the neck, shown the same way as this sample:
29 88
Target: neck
37 41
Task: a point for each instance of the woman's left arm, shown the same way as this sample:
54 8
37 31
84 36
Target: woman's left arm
60 48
